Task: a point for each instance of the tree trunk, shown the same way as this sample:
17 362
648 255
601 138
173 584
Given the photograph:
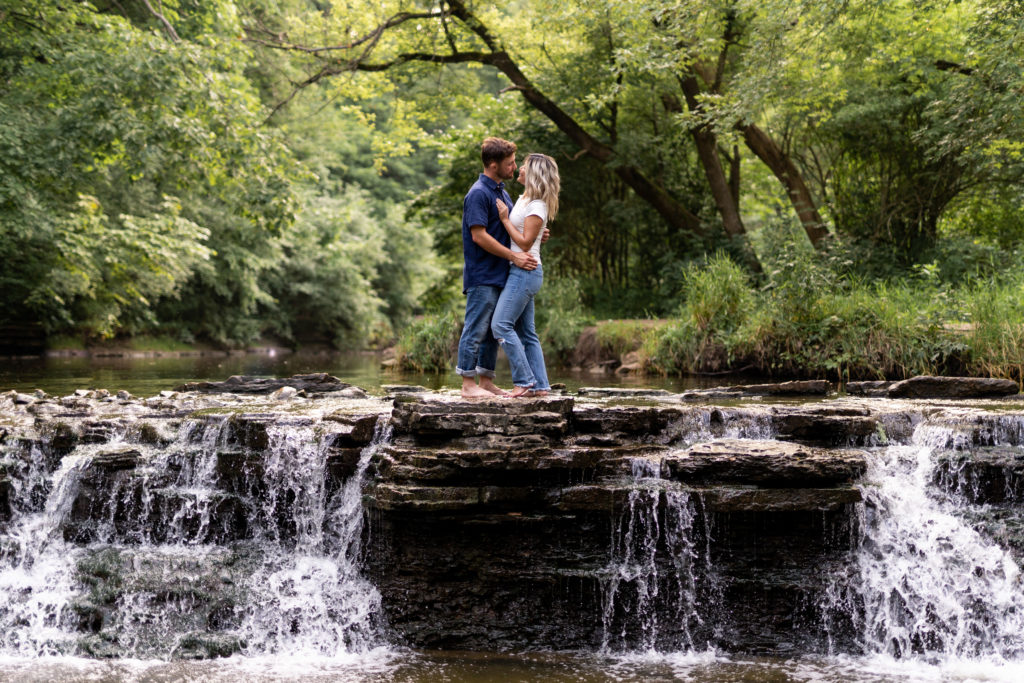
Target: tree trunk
721 191
761 144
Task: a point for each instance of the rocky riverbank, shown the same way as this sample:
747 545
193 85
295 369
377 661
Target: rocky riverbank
606 518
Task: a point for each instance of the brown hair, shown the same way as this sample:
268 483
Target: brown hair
496 149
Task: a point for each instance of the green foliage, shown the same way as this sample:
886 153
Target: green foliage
134 172
718 300
429 344
811 321
994 309
560 318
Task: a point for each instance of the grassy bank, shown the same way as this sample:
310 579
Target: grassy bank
801 323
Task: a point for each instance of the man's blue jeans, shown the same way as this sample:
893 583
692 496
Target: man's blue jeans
514 328
478 350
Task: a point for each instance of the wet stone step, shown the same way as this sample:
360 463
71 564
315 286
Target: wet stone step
983 475
764 463
825 425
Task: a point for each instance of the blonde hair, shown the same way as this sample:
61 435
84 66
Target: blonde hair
542 181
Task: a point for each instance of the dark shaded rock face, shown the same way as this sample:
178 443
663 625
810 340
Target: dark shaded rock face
509 526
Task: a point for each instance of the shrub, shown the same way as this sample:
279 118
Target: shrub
429 344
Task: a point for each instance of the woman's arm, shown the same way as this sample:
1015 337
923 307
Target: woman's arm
531 227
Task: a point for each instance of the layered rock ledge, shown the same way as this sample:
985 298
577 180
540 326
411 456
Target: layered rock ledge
512 524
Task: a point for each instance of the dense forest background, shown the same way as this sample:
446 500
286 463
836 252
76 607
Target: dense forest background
826 186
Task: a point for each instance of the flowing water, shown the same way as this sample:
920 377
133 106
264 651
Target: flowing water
929 596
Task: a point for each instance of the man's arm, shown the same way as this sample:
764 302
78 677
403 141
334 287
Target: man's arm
483 239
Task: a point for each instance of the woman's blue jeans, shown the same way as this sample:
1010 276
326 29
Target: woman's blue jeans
513 327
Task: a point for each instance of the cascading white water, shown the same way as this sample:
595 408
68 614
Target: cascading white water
36 571
312 598
925 583
284 572
649 587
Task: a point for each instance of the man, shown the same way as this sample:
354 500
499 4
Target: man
486 253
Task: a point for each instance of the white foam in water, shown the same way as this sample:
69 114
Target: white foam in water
931 588
303 597
312 598
36 572
656 514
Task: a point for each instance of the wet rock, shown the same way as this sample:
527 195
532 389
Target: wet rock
24 399
622 392
351 430
394 389
725 499
925 386
707 394
437 417
763 463
341 464
825 425
207 646
815 387
794 388
284 393
313 383
6 491
398 497
988 475
625 419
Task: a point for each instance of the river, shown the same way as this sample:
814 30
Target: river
148 376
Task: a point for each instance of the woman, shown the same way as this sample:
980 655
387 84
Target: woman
512 323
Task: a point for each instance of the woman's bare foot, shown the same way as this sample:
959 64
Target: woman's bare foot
539 393
520 391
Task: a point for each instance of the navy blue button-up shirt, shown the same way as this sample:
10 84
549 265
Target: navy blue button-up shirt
481 267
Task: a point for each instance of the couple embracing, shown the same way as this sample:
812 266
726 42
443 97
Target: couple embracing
502 270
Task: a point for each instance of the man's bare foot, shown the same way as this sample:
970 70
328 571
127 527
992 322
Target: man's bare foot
473 391
487 384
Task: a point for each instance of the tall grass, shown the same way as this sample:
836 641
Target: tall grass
810 323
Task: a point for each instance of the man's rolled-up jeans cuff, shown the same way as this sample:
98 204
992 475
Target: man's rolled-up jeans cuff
483 372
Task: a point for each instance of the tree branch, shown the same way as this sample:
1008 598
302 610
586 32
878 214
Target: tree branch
277 41
163 20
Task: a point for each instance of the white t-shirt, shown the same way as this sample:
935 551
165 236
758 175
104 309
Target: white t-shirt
517 216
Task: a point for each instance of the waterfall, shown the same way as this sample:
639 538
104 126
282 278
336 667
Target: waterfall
650 589
312 598
211 544
924 583
36 573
